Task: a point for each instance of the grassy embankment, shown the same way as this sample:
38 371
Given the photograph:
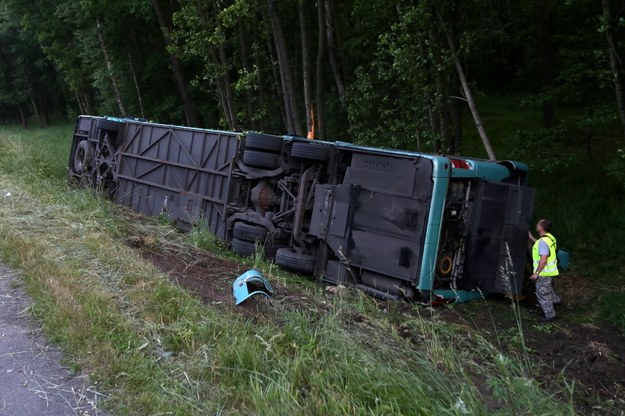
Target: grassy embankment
116 315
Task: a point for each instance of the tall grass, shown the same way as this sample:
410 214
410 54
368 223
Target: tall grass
156 349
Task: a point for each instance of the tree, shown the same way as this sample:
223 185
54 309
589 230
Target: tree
320 90
289 93
301 9
165 25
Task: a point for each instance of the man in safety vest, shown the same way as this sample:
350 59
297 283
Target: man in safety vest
545 267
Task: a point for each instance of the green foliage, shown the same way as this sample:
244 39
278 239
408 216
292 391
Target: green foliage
395 61
393 96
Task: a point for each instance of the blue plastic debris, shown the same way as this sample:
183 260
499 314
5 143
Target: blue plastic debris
564 259
249 284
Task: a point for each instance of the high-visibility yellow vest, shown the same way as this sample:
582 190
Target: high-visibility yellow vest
551 268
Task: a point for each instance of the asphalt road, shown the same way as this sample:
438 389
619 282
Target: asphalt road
32 380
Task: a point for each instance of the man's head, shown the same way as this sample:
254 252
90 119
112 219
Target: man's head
543 226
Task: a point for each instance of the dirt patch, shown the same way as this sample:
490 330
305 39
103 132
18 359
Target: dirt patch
590 355
207 276
210 278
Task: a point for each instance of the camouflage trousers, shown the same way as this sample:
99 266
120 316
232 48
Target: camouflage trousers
547 296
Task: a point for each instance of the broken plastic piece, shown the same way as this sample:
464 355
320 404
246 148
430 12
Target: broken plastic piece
249 284
564 259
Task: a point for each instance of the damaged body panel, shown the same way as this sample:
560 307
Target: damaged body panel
395 224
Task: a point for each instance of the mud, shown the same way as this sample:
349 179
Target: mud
207 276
590 355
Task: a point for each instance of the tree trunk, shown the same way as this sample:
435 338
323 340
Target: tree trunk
340 47
81 106
245 61
221 95
284 94
471 102
228 88
136 82
40 109
334 65
36 111
616 65
305 66
23 115
190 114
259 81
546 51
285 68
278 90
44 105
442 91
321 46
109 66
87 96
456 107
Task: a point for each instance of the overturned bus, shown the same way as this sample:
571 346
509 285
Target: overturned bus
395 224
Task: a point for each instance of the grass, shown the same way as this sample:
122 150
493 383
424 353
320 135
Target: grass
153 348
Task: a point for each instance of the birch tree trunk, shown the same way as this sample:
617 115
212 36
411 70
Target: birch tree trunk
109 67
471 102
32 101
136 82
278 87
81 106
222 87
228 89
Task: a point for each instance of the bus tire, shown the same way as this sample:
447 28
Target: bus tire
256 158
248 232
292 260
83 157
311 151
263 142
243 248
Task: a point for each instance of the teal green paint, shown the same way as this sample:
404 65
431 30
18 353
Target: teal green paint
461 296
440 178
482 170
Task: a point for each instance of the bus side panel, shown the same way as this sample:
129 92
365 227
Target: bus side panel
180 172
